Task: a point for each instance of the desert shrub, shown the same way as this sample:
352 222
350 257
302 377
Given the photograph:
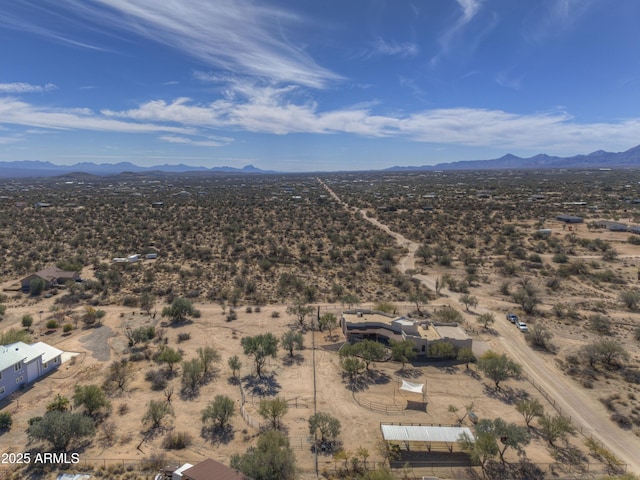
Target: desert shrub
275 314
52 324
600 324
67 327
249 309
183 337
631 375
157 378
5 421
177 440
123 409
27 320
621 420
137 357
560 258
130 301
448 314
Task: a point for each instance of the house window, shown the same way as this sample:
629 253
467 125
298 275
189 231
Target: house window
55 360
0 375
18 366
45 365
19 379
1 390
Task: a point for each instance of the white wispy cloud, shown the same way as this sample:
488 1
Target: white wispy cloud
272 111
20 87
469 9
235 35
212 142
381 47
554 17
18 112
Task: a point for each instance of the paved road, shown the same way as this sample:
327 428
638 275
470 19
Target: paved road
586 413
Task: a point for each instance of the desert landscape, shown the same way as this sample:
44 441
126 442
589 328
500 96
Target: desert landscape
245 256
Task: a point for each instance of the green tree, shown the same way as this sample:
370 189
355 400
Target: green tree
14 335
530 408
36 286
120 373
466 356
300 310
291 341
169 356
630 298
207 356
498 367
235 365
554 428
59 404
271 459
403 351
539 337
370 351
61 428
156 412
419 299
27 320
611 352
91 397
448 314
5 421
273 410
510 435
442 350
527 297
219 411
468 301
328 321
192 372
482 449
180 309
147 301
350 301
260 347
352 366
486 319
325 424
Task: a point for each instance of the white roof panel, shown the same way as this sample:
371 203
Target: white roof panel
424 433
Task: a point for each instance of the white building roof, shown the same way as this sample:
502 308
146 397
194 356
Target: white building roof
48 352
27 352
10 356
424 433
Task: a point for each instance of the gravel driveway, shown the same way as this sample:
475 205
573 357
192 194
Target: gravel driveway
98 343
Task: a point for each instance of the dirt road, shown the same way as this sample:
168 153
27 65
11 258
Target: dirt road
585 412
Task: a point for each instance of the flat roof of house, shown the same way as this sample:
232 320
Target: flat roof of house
450 331
371 317
424 433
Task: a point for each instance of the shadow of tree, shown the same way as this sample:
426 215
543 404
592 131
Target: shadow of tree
408 372
265 386
288 360
506 395
217 435
472 373
365 380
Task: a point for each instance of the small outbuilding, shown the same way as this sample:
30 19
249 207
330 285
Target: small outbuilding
569 219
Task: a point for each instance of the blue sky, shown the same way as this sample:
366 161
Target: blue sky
305 85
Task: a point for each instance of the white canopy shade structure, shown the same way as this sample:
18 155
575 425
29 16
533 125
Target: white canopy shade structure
430 436
412 387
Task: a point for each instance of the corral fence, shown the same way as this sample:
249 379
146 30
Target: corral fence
252 422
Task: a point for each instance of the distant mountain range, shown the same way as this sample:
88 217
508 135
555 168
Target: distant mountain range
34 168
598 159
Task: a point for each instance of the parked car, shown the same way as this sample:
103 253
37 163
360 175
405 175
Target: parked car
522 326
512 317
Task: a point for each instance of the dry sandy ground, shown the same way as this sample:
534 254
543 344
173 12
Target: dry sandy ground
451 385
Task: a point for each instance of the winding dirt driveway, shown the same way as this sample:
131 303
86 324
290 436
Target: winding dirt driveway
585 412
